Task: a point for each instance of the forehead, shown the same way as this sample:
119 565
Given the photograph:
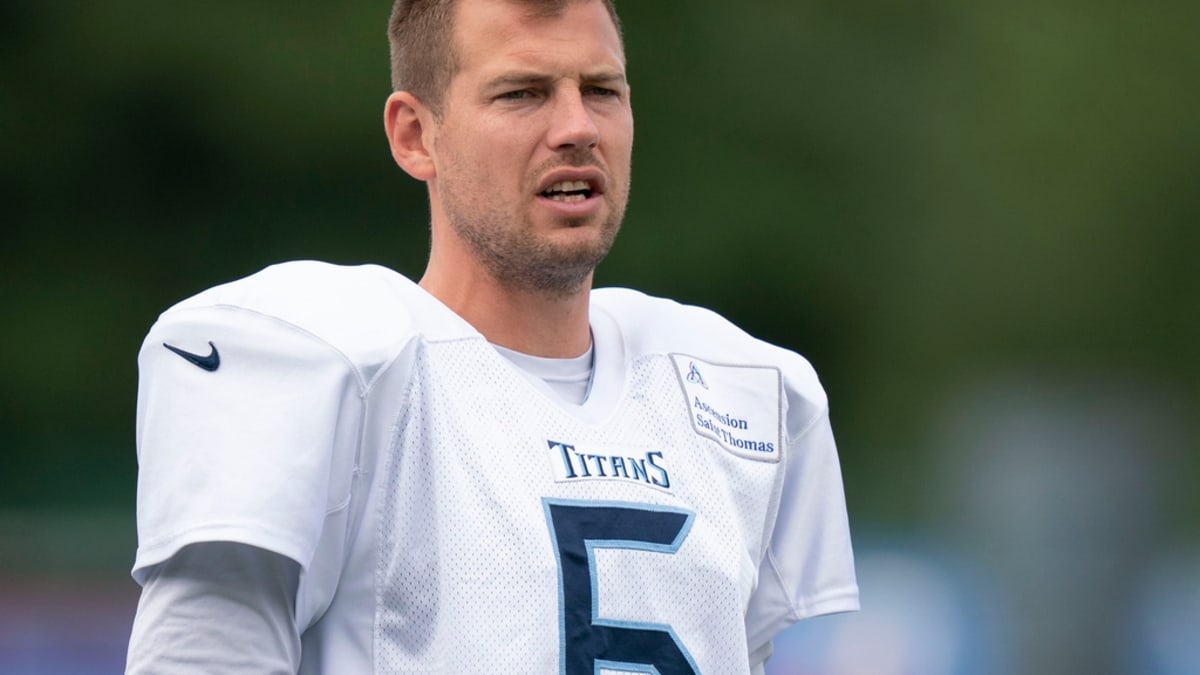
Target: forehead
496 35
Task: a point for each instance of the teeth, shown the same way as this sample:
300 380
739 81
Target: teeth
573 197
569 186
574 187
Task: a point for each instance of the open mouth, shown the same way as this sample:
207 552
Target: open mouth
569 191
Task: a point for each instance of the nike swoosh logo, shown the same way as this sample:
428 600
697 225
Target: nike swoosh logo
209 363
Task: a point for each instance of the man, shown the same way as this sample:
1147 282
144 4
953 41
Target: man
497 470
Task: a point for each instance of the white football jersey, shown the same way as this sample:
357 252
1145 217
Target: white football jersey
451 516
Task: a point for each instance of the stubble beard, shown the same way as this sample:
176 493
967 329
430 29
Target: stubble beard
515 255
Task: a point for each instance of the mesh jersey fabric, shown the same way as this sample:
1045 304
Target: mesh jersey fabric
438 503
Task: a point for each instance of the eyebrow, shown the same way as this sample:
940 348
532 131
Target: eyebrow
521 78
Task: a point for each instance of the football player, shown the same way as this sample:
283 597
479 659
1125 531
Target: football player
496 469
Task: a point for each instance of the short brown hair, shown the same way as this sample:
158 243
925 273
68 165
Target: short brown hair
421 35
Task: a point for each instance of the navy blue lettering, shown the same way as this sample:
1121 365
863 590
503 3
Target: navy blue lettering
566 456
663 480
618 467
639 470
727 420
599 463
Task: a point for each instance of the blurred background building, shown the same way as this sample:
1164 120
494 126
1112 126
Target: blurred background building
979 222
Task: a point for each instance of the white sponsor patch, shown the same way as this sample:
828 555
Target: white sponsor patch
737 406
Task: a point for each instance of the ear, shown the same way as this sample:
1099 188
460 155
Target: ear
404 119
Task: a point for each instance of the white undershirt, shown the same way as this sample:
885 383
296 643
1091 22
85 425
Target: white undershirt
570 379
218 607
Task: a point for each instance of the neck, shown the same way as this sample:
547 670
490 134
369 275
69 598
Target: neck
528 321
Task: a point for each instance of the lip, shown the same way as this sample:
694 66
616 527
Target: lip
574 210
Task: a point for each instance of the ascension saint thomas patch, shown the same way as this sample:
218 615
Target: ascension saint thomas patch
738 406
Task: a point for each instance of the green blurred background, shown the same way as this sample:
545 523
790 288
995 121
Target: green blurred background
933 201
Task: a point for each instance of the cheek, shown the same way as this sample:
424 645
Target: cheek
483 160
502 146
620 135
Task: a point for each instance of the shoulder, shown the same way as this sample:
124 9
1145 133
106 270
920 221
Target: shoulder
654 325
364 314
309 292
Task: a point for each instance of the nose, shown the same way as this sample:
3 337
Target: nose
572 125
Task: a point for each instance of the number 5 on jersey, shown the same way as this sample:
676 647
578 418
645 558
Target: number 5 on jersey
588 642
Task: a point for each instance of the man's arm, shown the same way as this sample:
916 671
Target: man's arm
218 607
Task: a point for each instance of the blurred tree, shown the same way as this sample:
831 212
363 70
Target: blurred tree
911 194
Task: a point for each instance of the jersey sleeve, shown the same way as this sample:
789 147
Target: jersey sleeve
808 569
255 445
